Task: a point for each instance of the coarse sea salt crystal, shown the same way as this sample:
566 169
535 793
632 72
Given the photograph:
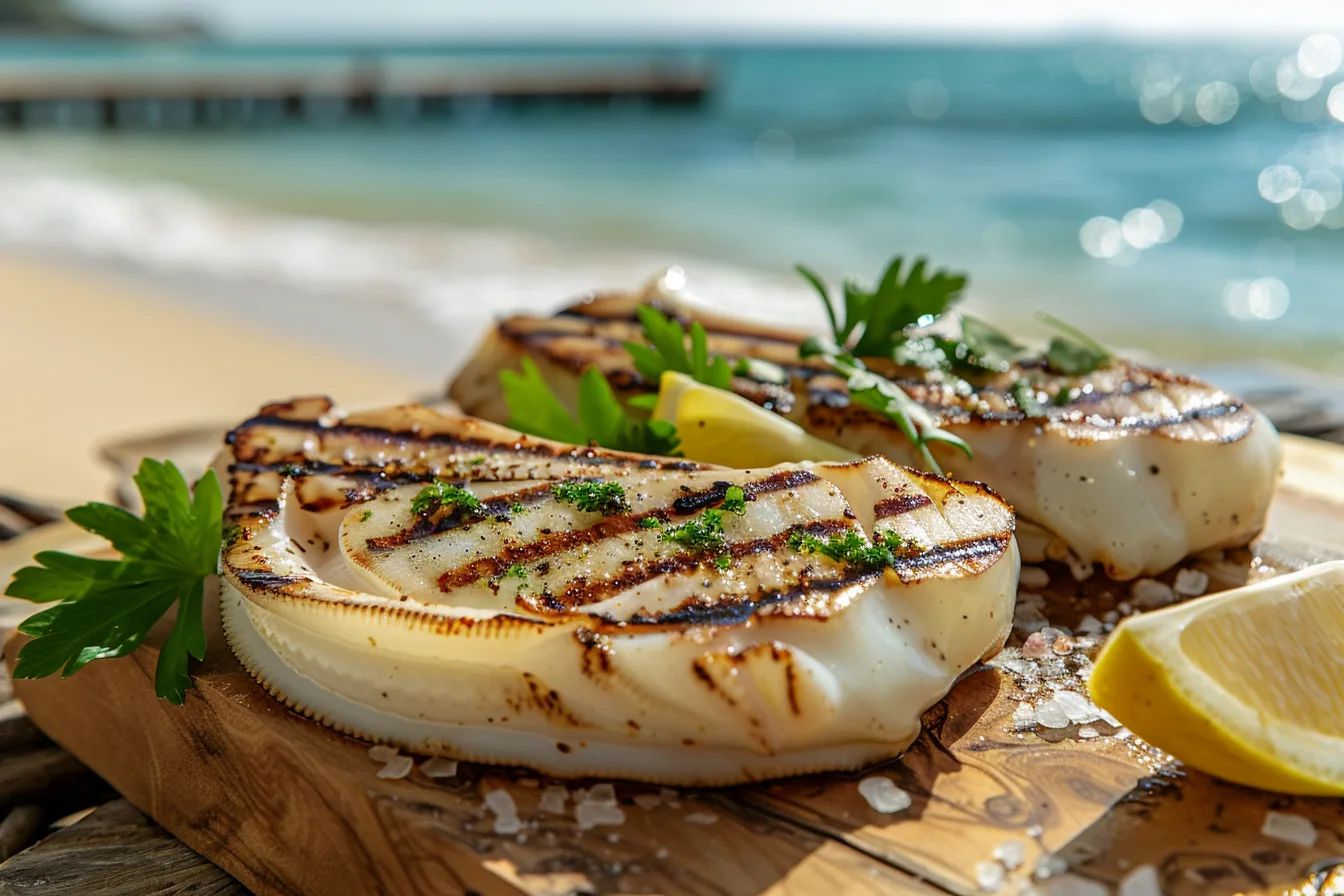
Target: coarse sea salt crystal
1089 625
397 767
701 818
1035 646
1150 594
438 767
1024 715
508 824
1080 569
1029 619
1033 577
1051 715
1289 828
590 815
1191 582
383 753
1011 854
1078 708
989 876
500 802
648 800
1141 881
553 800
602 793
883 795
669 796
1087 732
1031 599
1073 885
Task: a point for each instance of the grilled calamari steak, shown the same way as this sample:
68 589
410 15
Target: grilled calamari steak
1137 470
697 626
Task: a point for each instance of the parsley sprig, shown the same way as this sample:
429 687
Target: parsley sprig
534 408
874 321
877 393
1073 353
667 351
104 608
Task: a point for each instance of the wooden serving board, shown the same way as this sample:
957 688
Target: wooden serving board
289 807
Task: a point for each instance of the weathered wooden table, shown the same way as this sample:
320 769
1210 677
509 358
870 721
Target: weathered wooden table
63 830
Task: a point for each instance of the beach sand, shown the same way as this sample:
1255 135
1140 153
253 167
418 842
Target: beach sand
89 359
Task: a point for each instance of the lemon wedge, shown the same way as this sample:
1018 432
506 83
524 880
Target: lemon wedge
1247 685
718 427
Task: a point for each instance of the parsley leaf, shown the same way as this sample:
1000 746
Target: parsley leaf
887 398
593 497
762 371
1074 353
991 348
853 549
875 320
443 494
105 608
667 351
534 408
702 534
1024 393
735 500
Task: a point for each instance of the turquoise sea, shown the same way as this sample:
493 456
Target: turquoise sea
1183 198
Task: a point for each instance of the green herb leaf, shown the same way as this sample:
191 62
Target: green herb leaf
991 347
667 351
735 500
444 494
534 408
701 534
853 549
722 562
875 320
106 607
1075 353
650 522
761 371
1024 393
889 399
606 498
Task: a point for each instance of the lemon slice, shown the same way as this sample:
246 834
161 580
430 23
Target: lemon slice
718 427
1247 685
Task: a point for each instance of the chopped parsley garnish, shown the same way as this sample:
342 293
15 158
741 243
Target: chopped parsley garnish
534 408
650 522
476 461
105 608
667 351
735 500
516 571
853 549
365 515
722 562
442 494
701 534
606 498
987 346
517 507
1074 353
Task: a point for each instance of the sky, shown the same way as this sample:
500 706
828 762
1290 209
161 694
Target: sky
458 20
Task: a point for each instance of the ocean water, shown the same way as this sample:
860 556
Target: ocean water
1186 199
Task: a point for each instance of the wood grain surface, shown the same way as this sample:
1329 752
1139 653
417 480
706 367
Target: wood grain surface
289 807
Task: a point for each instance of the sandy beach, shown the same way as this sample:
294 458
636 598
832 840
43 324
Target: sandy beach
90 360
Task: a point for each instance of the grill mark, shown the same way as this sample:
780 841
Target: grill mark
581 592
952 552
738 610
481 446
900 504
607 527
497 510
714 495
265 579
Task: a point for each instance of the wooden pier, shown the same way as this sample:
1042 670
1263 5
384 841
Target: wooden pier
253 93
